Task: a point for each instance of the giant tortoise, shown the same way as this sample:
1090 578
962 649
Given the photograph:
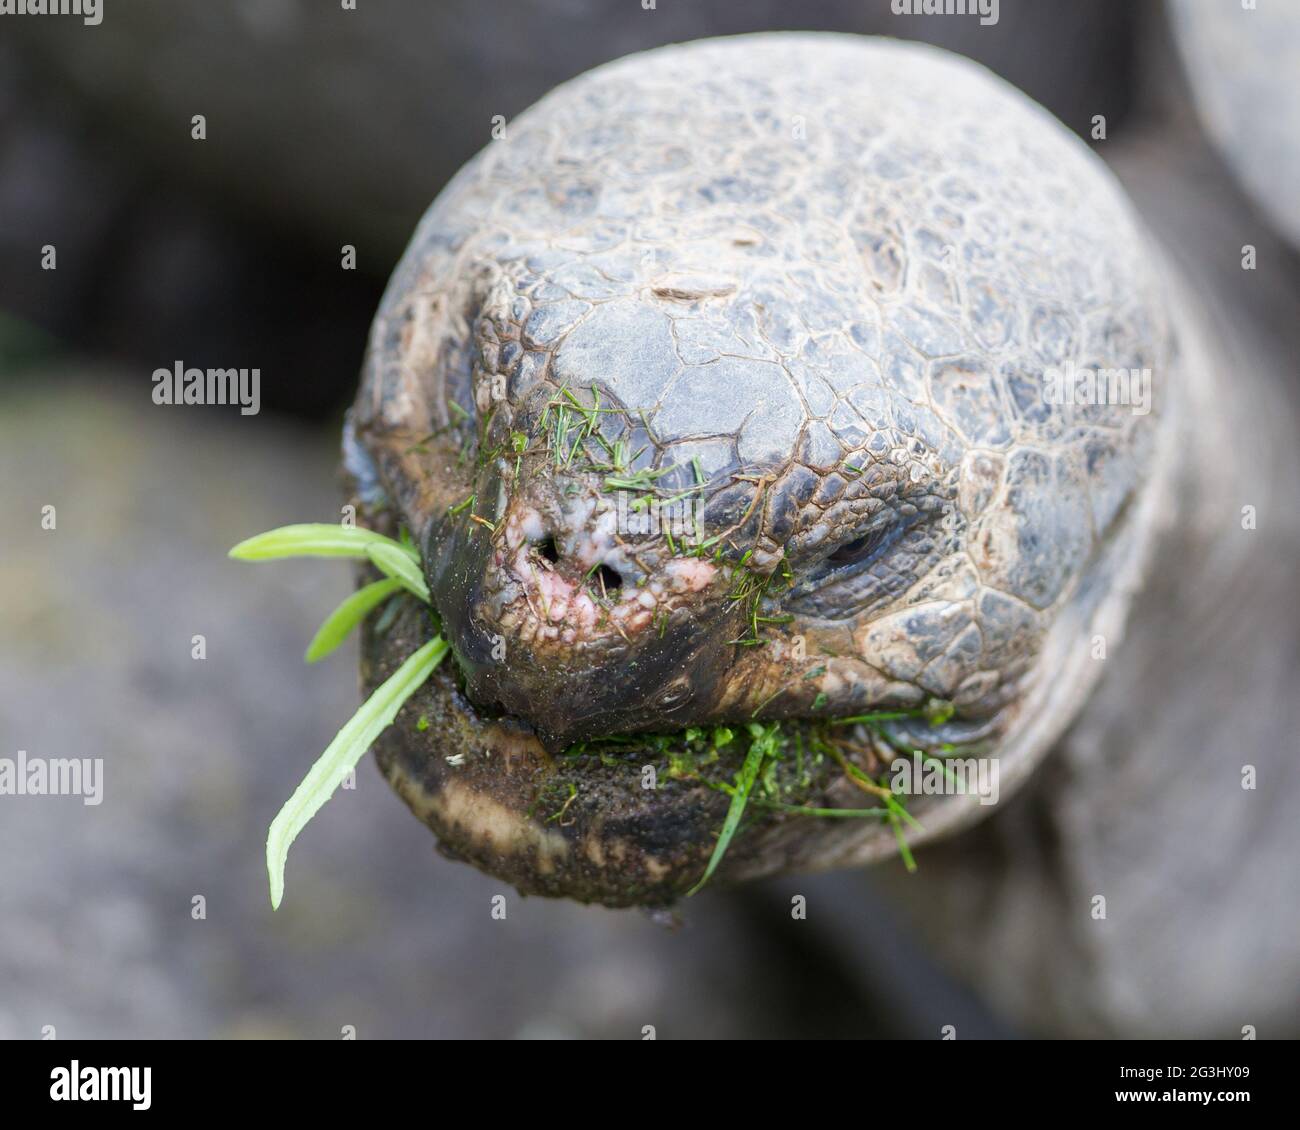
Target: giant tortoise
895 346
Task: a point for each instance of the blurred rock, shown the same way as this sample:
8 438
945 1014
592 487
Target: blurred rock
1243 67
149 271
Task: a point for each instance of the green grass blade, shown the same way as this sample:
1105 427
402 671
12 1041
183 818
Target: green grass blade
905 852
342 754
348 615
316 539
758 750
397 563
903 815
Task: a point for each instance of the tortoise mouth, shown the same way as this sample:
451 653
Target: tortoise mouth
634 819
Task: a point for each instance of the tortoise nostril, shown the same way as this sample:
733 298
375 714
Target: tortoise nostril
608 579
605 578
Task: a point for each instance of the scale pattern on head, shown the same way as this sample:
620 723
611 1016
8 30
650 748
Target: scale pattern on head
787 287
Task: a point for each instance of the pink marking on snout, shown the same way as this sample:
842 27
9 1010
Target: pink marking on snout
690 573
559 600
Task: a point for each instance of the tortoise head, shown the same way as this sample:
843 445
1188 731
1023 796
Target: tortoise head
754 427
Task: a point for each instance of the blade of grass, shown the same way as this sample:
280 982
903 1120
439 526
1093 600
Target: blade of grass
904 852
315 539
758 750
900 811
397 563
348 615
349 745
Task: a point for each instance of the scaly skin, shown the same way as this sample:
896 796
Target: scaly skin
814 282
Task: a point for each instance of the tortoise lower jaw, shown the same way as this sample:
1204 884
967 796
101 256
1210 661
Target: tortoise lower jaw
630 821
497 799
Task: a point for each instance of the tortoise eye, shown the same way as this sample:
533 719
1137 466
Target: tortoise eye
852 577
861 548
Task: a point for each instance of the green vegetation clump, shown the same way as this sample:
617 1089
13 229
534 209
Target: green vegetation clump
783 769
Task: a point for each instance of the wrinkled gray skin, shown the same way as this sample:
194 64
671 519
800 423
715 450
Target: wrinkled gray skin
1241 66
829 273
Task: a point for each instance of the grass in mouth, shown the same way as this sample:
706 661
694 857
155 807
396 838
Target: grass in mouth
400 562
777 773
762 745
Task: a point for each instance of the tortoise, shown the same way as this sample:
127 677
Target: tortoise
835 303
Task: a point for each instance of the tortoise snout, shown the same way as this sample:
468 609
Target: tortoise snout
576 649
